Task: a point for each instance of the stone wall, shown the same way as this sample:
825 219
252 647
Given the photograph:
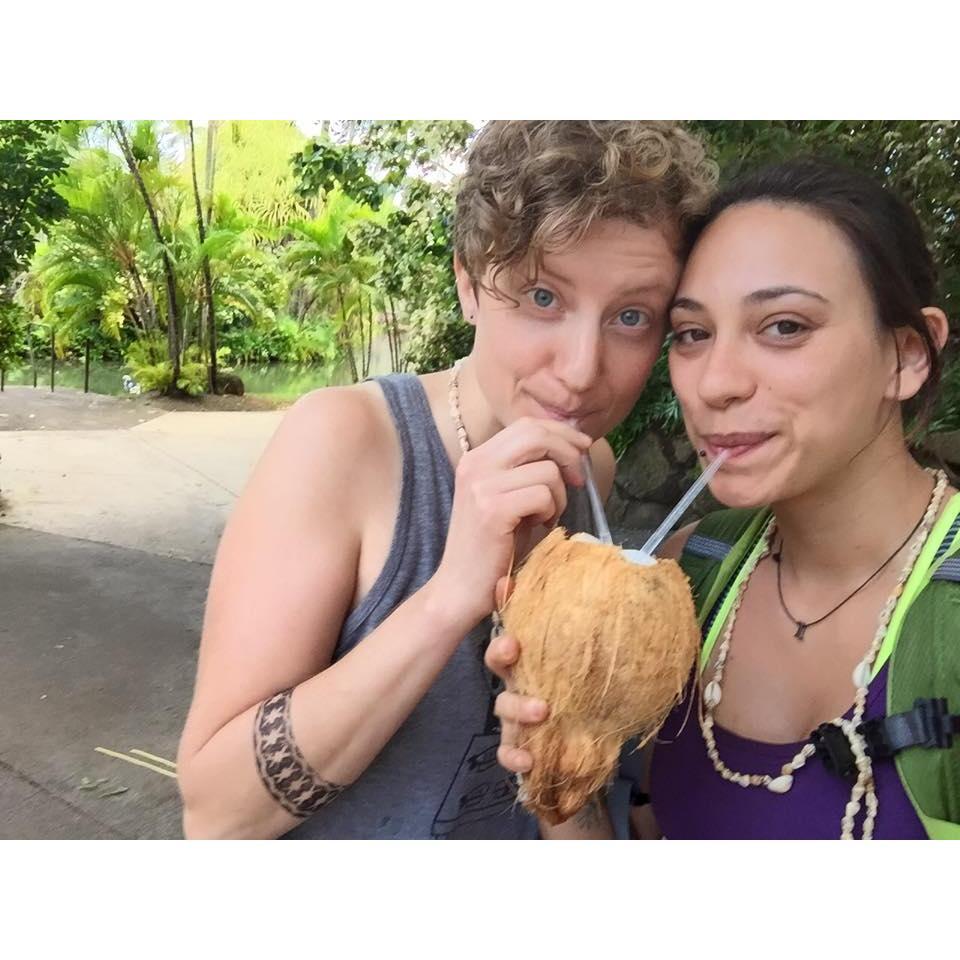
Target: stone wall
651 477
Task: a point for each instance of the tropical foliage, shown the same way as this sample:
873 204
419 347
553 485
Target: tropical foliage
181 246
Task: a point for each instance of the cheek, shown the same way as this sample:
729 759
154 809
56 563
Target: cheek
627 372
834 395
514 338
505 345
683 379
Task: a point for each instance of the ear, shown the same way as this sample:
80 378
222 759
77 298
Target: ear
466 291
913 363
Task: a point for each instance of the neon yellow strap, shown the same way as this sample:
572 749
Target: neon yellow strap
938 829
923 570
920 576
728 600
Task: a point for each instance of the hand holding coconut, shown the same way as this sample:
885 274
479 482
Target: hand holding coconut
608 642
514 480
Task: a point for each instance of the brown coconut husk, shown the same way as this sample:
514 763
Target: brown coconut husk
609 645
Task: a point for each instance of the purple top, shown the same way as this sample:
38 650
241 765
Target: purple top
693 802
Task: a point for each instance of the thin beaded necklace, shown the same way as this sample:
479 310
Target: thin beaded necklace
864 788
454 399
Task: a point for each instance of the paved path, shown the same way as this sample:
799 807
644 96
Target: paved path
106 539
164 485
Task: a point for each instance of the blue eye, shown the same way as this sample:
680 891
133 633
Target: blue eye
632 318
543 297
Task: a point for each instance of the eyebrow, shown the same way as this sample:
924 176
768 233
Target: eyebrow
546 271
758 296
641 288
630 291
773 293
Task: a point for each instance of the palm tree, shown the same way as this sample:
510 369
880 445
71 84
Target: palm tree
211 316
147 153
323 257
106 228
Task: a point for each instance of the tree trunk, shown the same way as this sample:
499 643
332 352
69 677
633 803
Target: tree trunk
53 359
301 301
345 337
144 301
388 327
33 357
173 310
210 174
86 367
134 319
369 358
211 167
393 335
362 330
211 317
398 343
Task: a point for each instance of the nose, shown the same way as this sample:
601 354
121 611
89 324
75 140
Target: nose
578 354
726 376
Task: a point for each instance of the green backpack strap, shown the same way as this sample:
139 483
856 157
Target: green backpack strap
924 650
715 551
925 664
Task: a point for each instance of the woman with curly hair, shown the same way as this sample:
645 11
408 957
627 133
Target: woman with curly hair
340 690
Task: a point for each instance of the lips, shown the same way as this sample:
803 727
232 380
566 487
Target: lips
737 444
560 413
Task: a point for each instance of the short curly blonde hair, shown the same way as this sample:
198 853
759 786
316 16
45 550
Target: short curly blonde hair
536 186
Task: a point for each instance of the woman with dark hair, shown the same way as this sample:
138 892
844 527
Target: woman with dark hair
804 334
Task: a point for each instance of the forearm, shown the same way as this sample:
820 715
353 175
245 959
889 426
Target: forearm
591 822
341 719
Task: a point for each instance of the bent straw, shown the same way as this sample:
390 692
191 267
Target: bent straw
596 504
593 495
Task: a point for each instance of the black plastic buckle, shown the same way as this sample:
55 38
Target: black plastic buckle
637 797
835 751
929 724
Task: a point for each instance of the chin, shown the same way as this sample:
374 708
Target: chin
738 493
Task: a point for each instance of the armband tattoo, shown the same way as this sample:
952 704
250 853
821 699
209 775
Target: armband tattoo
284 771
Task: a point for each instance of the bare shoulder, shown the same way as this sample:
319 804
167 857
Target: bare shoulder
327 442
328 460
673 546
604 466
349 420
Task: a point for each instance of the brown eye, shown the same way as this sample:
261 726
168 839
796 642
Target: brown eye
785 328
684 338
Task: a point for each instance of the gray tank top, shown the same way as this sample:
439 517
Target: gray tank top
438 777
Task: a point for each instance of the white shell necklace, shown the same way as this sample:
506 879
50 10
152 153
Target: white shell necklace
864 788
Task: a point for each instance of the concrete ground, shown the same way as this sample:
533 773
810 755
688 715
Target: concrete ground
107 532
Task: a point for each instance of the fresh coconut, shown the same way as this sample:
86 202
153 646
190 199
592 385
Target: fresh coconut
609 645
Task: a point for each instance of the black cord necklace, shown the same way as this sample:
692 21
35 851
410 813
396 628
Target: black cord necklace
803 627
